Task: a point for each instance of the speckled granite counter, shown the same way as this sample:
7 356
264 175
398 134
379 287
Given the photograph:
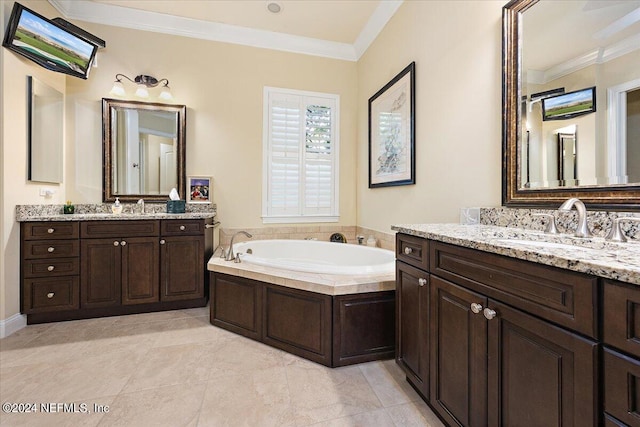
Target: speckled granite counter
327 284
102 212
617 261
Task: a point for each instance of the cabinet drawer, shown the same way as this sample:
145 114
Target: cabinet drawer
49 230
50 267
622 387
180 227
50 249
412 250
50 294
561 296
137 228
622 317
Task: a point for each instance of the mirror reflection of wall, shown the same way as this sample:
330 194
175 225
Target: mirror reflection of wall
146 151
45 132
603 51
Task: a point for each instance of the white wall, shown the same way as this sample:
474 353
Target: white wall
457 49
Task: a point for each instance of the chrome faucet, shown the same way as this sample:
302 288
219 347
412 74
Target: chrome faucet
583 228
141 203
230 256
616 234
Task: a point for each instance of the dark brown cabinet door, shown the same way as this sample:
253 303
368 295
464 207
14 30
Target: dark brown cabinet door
539 374
140 277
621 391
100 272
236 305
412 325
458 354
182 267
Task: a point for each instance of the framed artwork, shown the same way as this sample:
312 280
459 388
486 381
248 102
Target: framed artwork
199 189
392 157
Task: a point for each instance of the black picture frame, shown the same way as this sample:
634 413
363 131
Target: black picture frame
392 158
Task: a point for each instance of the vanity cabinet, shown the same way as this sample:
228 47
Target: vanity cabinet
510 342
98 268
50 255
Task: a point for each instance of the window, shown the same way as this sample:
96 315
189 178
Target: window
300 156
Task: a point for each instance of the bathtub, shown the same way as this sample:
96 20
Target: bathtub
317 257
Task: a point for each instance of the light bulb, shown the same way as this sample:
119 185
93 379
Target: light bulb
166 94
142 92
117 89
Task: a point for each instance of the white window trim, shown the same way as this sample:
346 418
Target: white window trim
281 219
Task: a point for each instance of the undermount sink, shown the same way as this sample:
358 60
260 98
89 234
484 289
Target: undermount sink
543 244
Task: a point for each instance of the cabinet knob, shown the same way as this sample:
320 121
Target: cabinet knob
51 268
162 242
422 282
489 314
123 243
51 295
408 250
182 228
476 308
51 230
51 249
116 243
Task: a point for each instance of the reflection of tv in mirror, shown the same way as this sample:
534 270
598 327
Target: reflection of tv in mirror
47 43
568 105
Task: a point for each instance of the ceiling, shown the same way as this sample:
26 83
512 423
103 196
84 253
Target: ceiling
341 29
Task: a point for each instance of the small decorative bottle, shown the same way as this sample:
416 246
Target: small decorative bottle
68 208
116 208
371 241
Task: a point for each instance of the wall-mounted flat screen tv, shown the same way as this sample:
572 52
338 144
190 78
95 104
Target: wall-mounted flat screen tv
568 105
48 44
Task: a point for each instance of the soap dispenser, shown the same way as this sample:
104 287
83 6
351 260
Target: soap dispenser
117 207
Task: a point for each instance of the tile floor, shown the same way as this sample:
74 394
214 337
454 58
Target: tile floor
174 369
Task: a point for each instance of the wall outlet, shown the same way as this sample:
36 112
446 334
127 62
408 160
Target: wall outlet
470 216
47 192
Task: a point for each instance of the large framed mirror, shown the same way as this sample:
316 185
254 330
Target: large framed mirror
560 138
45 132
143 150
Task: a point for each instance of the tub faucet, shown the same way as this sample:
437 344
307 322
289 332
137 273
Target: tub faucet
230 256
583 228
141 203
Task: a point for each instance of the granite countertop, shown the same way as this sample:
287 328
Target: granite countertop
595 256
102 212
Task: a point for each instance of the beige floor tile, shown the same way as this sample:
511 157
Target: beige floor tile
172 365
377 418
242 356
159 316
413 414
174 406
193 330
45 348
388 382
260 398
320 394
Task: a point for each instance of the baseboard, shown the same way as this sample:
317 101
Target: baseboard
12 324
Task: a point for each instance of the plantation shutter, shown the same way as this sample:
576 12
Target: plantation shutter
300 157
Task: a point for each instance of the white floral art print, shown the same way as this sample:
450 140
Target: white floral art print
391 132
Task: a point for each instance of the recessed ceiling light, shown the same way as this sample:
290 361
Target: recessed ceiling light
274 7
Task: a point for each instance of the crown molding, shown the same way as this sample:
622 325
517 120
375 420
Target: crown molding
108 14
598 56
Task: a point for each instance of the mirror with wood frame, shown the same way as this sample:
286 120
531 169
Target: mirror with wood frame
143 150
571 103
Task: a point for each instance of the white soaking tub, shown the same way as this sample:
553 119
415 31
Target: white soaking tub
317 257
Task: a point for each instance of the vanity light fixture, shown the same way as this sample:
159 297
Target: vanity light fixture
143 83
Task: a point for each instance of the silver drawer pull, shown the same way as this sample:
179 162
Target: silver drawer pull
51 230
182 228
51 295
476 308
123 243
162 242
51 249
408 250
422 282
51 268
116 243
489 314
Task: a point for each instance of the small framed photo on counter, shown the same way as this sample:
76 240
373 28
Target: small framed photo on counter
199 189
